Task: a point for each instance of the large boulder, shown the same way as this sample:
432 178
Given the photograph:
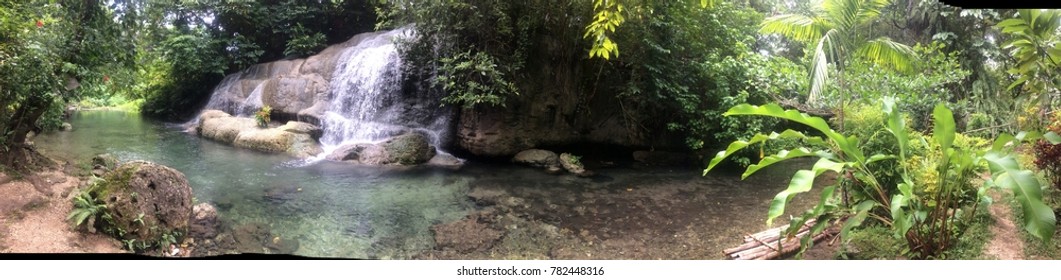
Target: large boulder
405 149
303 128
224 129
278 141
537 158
297 139
408 149
146 202
446 161
366 153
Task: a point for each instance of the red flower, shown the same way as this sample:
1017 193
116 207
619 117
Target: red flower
106 78
40 24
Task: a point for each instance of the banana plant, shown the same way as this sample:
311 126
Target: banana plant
924 220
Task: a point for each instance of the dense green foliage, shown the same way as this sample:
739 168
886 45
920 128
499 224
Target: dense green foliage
681 62
48 51
930 217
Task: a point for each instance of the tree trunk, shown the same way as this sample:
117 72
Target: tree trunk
19 156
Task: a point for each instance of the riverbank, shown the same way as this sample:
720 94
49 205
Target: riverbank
33 213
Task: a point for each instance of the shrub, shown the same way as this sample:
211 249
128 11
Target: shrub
263 116
1048 155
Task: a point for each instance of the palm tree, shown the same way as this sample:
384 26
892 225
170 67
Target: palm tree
839 30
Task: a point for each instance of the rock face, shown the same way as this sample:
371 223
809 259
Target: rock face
537 158
147 200
294 138
405 149
556 107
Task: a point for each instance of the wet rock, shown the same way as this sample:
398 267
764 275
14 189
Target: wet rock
362 228
487 197
147 200
251 238
210 114
104 162
224 203
276 140
446 161
303 128
281 194
355 152
405 149
221 127
573 165
538 158
474 233
67 126
205 223
408 149
278 245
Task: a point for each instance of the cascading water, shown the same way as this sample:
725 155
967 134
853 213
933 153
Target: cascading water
368 100
364 99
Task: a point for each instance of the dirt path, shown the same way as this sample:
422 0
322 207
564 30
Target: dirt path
1006 243
33 217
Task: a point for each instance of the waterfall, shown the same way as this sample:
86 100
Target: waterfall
363 98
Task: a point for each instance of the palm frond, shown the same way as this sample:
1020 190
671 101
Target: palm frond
797 27
885 52
820 67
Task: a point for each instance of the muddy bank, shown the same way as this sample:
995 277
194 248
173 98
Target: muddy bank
669 214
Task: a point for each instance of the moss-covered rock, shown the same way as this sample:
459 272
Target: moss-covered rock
408 149
405 149
146 202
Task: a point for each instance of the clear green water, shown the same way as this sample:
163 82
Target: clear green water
341 210
348 211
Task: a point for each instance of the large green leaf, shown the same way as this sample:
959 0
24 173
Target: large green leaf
943 131
885 52
820 66
1010 22
773 110
782 156
1039 218
798 27
757 138
901 221
801 182
896 125
1052 137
